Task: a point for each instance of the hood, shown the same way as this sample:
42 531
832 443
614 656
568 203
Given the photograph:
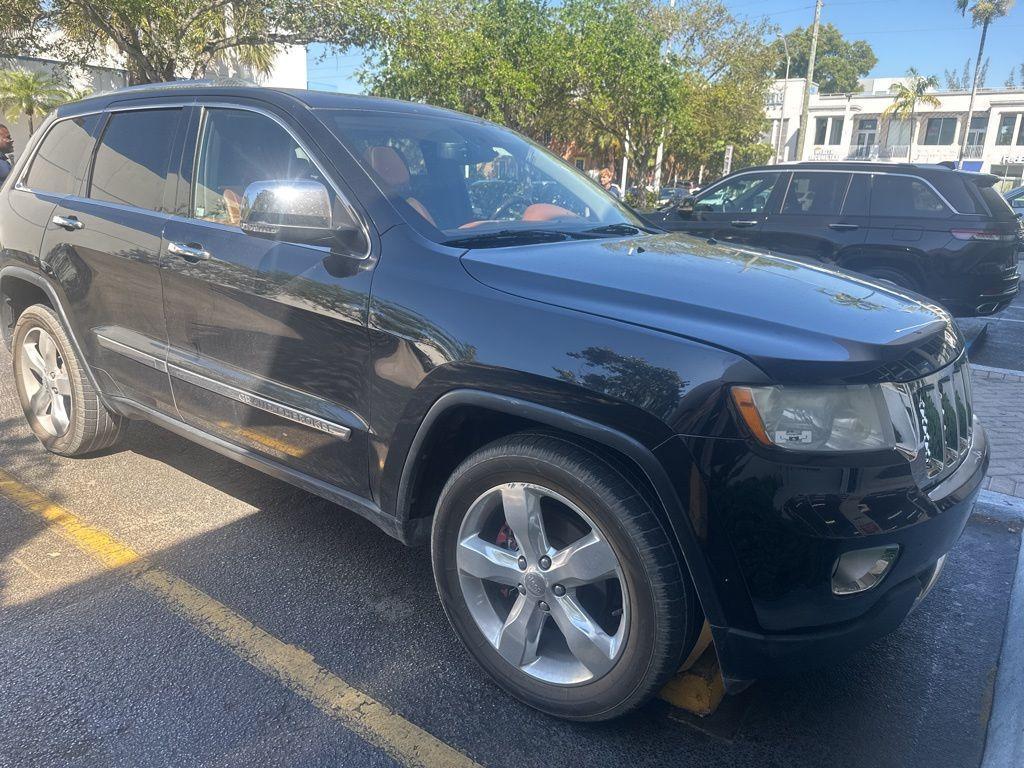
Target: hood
798 322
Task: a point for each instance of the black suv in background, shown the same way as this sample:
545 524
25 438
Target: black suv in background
610 436
946 234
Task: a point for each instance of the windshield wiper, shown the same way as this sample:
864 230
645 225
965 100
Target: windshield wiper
509 237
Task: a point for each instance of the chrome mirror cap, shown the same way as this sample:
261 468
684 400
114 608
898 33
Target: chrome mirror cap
295 209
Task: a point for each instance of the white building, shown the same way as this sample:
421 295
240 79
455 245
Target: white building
851 126
289 71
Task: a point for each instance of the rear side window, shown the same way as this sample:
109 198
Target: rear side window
133 158
57 165
905 196
816 194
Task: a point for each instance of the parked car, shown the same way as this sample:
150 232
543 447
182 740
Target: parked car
1015 197
610 436
942 233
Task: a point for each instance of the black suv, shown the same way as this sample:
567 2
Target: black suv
610 436
946 234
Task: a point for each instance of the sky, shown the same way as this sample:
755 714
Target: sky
927 34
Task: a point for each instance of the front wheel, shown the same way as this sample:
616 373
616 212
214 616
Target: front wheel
558 577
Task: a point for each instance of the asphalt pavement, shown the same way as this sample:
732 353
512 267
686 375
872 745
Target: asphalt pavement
99 667
1003 345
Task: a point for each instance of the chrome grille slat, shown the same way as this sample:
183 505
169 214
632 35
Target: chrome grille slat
942 402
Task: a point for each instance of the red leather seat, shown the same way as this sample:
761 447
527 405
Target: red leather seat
394 173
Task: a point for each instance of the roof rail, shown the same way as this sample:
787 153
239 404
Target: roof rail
173 85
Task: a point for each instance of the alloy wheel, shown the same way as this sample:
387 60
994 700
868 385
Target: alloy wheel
45 381
543 584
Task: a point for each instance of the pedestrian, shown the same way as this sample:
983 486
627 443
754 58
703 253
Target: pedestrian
609 186
6 148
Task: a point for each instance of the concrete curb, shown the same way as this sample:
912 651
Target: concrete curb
1001 506
1004 742
1014 375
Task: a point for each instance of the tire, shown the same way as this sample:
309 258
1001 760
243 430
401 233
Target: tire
660 616
87 426
894 276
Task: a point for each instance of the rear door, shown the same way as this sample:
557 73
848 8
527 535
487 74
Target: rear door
822 214
104 246
268 340
733 210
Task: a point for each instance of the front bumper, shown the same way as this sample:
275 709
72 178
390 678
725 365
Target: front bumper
745 654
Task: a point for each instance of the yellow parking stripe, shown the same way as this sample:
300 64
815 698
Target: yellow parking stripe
293 667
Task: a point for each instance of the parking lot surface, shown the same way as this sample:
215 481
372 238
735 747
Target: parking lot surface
1003 346
162 605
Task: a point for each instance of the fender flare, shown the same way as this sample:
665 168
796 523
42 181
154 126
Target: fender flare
674 516
22 273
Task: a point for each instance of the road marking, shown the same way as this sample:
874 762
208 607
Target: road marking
291 666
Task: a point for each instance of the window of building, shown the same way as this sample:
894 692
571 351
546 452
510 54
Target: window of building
898 134
828 130
816 194
238 147
1004 137
979 127
820 130
747 193
940 131
580 164
893 195
133 158
57 166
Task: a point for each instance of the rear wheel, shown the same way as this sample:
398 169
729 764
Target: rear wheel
61 405
557 576
895 276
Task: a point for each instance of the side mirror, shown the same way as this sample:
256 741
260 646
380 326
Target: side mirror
686 205
298 211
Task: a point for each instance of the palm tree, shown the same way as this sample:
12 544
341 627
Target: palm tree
983 13
906 98
29 94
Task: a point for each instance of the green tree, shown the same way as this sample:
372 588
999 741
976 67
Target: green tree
31 94
167 39
983 13
839 64
908 97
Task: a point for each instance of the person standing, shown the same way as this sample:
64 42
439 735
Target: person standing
6 148
609 186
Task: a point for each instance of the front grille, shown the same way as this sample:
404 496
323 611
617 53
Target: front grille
942 403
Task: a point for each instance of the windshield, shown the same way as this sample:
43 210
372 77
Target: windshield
474 182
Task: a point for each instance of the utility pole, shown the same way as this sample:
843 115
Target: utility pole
802 141
783 139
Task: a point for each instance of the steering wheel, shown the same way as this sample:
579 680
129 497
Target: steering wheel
506 204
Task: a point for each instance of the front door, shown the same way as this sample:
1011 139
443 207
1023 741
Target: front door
268 339
731 211
104 248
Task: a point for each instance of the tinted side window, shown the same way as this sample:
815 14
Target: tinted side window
904 196
236 148
748 193
56 166
858 196
816 194
133 158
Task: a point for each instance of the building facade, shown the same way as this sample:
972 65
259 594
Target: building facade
853 127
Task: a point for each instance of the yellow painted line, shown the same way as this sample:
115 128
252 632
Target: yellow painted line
293 667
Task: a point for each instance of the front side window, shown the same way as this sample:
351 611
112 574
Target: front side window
1006 125
816 194
940 131
748 193
133 158
56 166
470 178
237 148
904 196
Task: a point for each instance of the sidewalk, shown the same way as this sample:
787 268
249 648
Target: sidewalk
999 403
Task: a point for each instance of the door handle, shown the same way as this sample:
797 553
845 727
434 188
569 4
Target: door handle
743 224
189 252
70 223
844 227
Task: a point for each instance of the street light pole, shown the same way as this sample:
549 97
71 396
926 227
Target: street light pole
782 108
802 140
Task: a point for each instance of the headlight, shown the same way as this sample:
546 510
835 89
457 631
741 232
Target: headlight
863 417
